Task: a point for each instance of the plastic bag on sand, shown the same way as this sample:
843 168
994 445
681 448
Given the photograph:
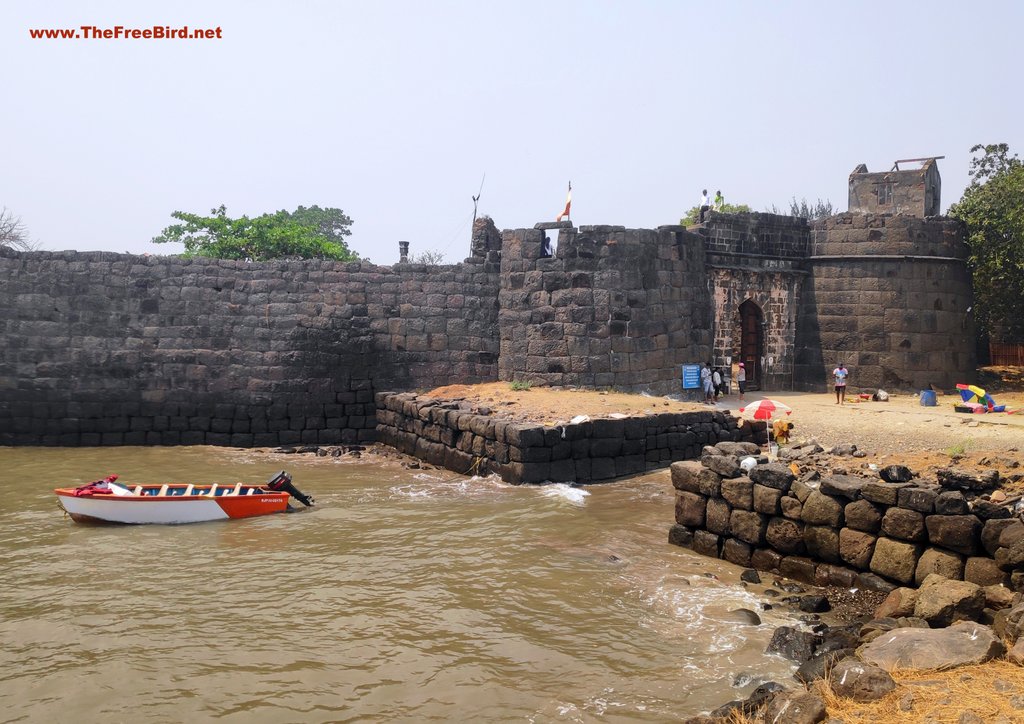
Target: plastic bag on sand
578 419
882 396
748 464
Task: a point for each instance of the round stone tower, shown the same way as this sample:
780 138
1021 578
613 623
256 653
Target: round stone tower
890 296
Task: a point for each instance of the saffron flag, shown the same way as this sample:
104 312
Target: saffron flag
568 203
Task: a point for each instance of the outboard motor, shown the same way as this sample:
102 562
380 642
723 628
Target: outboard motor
282 482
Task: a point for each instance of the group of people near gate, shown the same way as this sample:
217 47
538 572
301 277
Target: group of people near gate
713 382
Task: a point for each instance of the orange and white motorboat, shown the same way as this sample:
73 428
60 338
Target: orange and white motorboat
107 501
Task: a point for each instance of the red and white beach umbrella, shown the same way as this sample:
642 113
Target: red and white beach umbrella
765 409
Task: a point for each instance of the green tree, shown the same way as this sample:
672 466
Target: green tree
818 210
694 214
992 207
306 233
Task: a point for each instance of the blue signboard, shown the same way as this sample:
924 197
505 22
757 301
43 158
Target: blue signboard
691 377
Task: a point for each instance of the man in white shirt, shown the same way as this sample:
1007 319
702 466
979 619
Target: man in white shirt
706 384
840 374
705 204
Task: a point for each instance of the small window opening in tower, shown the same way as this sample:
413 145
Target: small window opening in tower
884 194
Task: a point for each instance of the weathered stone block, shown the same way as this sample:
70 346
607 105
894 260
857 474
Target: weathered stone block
920 499
766 500
802 490
1011 534
748 526
737 552
690 509
738 449
785 535
842 486
854 679
987 510
765 559
822 543
856 547
739 492
898 604
773 475
863 515
959 479
959 533
895 559
882 493
709 483
691 476
831 575
821 509
717 516
680 535
993 529
935 560
941 601
984 572
904 524
707 544
798 568
1012 558
951 502
725 465
791 507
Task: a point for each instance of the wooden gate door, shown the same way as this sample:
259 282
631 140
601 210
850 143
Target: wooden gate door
751 342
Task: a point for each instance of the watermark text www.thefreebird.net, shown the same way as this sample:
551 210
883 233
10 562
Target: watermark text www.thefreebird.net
120 32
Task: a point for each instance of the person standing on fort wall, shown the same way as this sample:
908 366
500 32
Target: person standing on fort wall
705 204
719 201
840 374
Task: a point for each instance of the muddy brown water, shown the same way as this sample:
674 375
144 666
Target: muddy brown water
404 595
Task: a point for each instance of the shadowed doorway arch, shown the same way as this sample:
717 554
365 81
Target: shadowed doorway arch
751 342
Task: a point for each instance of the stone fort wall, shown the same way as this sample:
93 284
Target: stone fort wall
100 348
108 349
614 307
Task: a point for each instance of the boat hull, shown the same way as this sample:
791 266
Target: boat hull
170 510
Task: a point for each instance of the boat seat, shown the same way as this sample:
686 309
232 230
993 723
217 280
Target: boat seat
163 489
237 490
189 489
213 491
137 490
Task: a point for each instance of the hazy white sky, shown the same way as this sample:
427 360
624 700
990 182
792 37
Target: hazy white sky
394 111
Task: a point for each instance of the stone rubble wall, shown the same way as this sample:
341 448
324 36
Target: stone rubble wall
113 349
454 436
841 530
614 307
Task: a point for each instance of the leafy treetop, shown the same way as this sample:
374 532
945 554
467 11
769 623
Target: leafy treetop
306 233
693 214
818 210
992 207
